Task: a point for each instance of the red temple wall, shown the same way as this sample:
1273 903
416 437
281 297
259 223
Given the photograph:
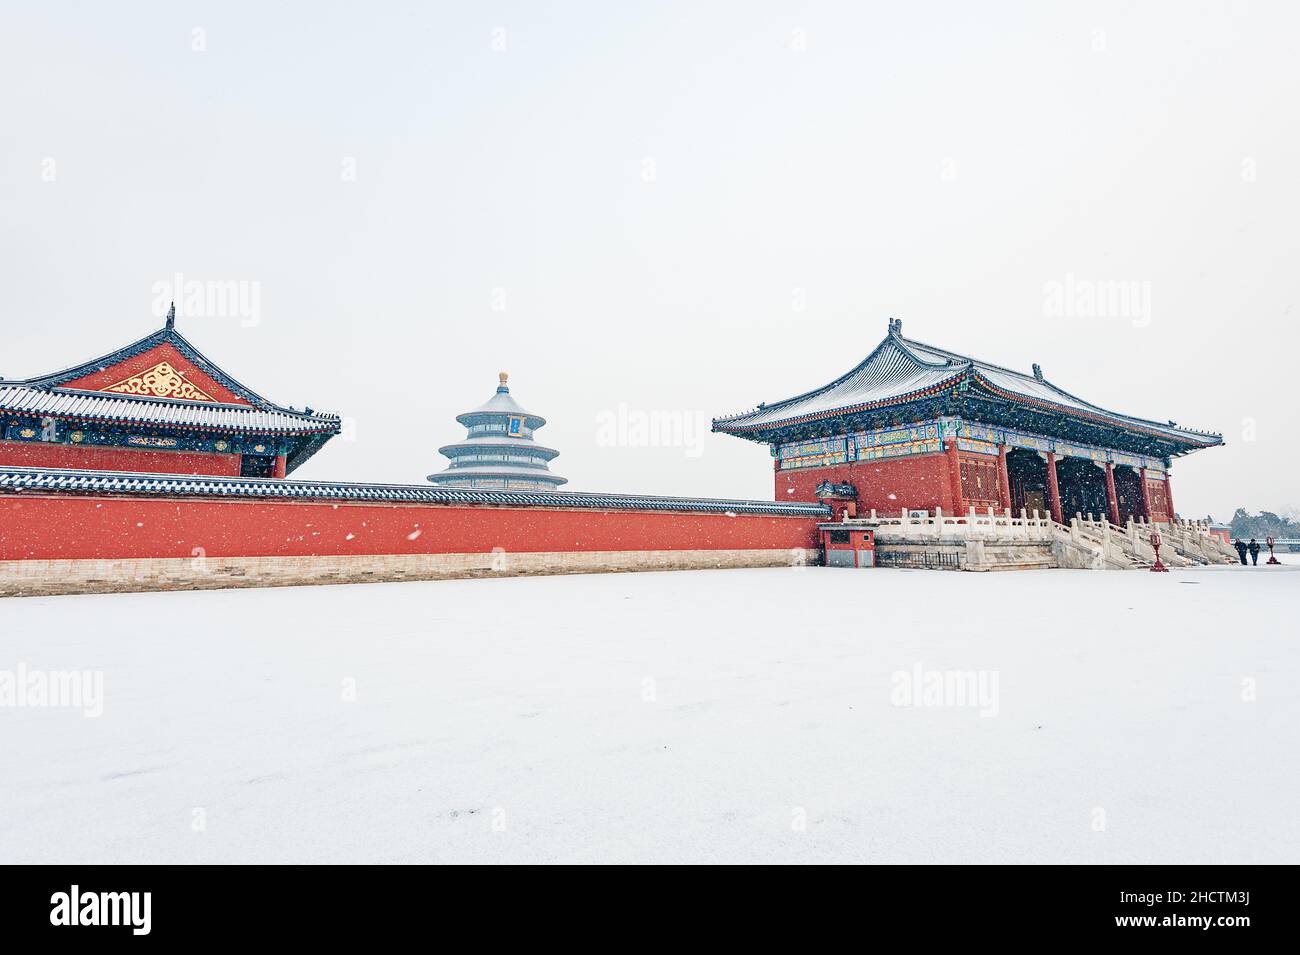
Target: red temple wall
51 527
111 375
928 481
924 482
32 454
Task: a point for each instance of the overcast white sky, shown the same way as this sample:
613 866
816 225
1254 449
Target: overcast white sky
678 207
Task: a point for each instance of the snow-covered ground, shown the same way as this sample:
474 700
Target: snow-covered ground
716 716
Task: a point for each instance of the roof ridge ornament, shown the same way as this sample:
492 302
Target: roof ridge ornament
896 326
503 378
1038 371
171 316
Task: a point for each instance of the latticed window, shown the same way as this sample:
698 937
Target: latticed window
979 482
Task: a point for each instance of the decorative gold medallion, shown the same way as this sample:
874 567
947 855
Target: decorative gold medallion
160 381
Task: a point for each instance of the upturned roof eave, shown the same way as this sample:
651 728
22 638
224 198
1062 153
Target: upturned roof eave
472 445
322 418
472 473
728 419
470 418
975 365
1194 439
724 426
310 424
964 367
1184 441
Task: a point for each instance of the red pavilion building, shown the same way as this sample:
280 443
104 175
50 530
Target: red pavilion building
919 427
156 405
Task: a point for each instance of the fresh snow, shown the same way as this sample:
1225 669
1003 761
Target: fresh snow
710 716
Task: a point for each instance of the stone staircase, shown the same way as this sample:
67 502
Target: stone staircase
1001 541
1182 543
1095 546
1193 540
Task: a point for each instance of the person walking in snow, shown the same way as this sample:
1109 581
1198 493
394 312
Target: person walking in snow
1253 547
1241 549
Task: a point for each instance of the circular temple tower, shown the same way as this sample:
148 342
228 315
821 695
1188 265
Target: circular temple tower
499 451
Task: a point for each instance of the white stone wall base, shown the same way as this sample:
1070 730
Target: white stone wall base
26 578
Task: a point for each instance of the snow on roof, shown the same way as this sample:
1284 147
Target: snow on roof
492 470
901 370
45 395
126 409
496 442
500 404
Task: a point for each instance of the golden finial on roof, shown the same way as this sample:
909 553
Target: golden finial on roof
504 376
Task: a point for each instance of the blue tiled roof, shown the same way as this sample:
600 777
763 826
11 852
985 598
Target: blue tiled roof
46 480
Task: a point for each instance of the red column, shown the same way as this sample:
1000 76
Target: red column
1169 499
280 464
1053 489
1112 499
1004 479
1146 498
954 477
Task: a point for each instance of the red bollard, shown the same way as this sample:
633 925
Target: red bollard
1271 558
1157 567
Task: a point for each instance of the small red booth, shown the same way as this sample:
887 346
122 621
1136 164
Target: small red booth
848 545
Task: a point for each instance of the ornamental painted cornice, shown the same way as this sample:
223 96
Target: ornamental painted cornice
929 436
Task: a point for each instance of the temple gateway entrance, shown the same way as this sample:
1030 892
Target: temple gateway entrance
1083 488
1128 491
1027 479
